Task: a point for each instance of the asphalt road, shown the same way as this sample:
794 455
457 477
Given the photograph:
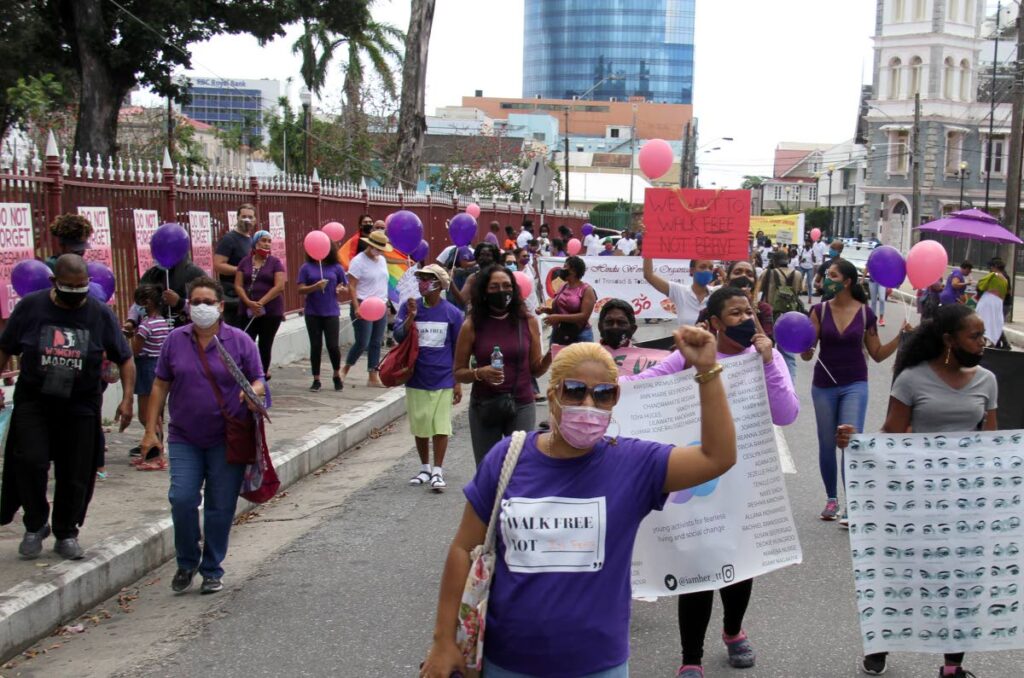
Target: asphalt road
354 592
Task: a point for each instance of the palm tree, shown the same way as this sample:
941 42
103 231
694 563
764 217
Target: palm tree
412 122
316 45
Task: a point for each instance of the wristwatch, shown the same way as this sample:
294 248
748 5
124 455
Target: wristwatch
705 377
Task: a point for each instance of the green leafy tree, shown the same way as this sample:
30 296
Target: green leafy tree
816 217
41 105
751 182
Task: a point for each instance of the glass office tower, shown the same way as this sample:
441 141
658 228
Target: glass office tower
624 47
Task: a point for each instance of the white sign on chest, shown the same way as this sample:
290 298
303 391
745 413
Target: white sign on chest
554 534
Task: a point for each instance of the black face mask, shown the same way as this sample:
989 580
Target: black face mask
72 299
499 301
966 358
742 282
614 337
563 273
742 334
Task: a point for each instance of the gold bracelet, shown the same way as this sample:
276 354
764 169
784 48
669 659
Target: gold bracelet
705 377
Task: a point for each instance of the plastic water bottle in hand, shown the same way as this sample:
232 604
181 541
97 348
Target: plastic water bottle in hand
498 362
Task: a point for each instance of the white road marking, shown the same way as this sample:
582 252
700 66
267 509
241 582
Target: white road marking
785 456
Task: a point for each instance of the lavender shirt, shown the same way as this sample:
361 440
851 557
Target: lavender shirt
195 417
264 281
782 398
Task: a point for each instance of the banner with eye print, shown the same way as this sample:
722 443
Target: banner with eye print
936 538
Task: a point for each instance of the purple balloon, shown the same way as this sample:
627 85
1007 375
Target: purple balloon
169 245
97 292
887 266
588 228
421 252
405 230
98 273
462 229
794 332
30 275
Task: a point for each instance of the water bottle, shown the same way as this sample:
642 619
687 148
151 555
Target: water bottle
498 362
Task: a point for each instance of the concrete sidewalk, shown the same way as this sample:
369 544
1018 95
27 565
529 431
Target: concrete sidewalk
128 528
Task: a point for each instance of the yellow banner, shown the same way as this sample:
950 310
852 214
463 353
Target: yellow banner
783 229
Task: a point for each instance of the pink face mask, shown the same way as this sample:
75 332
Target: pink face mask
582 427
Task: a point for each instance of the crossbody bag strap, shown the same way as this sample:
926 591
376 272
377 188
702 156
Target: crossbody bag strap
515 447
209 377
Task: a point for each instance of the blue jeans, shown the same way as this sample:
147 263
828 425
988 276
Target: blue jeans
877 298
191 468
835 405
492 670
369 336
586 334
790 359
808 274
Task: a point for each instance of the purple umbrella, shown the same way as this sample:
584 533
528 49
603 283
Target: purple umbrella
973 224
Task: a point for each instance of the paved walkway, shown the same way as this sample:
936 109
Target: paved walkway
129 499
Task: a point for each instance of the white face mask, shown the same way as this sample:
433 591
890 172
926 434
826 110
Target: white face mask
204 316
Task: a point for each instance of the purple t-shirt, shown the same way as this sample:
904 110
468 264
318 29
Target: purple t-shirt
264 281
438 328
949 294
324 302
195 416
560 600
842 353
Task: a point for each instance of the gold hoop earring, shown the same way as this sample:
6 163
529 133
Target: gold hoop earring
948 352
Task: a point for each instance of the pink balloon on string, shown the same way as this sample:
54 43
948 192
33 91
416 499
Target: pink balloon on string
573 246
372 309
334 231
524 282
317 245
926 263
473 210
655 158
815 234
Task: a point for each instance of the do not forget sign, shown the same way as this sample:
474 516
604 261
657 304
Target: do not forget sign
696 224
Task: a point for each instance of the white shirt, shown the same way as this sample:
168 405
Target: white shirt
372 276
818 250
766 253
593 245
544 245
688 306
523 239
806 255
626 245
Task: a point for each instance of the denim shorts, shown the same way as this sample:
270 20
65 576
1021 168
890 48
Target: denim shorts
145 373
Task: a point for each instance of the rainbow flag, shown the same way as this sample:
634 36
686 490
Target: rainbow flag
398 264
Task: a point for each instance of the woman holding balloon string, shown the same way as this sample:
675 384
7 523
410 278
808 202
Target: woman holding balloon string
321 279
259 283
368 282
844 326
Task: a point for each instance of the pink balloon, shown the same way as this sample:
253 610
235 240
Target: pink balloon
926 263
815 234
334 231
372 309
317 245
473 210
573 246
655 158
524 282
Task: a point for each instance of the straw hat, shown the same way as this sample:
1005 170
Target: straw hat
378 239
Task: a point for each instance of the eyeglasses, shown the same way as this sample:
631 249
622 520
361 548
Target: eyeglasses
574 392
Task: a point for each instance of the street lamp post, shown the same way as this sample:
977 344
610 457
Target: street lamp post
307 111
963 173
799 194
566 111
831 169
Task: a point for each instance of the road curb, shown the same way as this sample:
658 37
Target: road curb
32 609
1014 336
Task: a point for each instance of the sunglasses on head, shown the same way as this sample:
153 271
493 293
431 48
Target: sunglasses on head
574 392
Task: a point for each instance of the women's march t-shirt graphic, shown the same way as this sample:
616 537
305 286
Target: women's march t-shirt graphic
62 358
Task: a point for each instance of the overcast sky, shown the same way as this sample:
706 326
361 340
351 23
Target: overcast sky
786 70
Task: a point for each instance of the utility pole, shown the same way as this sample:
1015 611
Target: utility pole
915 168
684 161
632 162
692 168
992 112
1013 175
566 205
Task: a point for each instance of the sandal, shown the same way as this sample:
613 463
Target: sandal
159 464
437 483
421 478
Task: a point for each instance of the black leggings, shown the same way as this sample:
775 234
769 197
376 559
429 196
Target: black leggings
695 615
318 327
263 330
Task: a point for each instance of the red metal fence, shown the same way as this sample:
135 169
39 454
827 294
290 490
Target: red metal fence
54 186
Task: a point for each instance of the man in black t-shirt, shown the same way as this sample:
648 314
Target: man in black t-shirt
232 248
62 335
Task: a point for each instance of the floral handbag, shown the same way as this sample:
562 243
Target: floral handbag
473 610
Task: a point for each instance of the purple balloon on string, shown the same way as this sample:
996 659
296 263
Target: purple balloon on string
587 229
98 273
97 292
169 245
794 332
462 229
405 230
30 275
421 252
887 266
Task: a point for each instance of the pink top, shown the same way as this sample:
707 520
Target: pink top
569 300
784 403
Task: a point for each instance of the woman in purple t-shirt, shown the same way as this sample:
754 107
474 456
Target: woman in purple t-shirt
321 282
259 283
840 388
565 612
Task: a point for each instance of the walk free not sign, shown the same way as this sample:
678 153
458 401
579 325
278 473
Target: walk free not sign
696 224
